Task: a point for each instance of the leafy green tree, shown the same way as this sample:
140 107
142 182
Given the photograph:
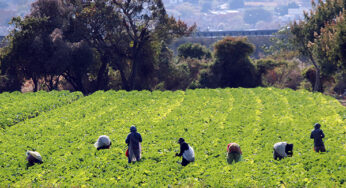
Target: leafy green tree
233 67
330 47
307 31
28 50
124 32
81 39
193 51
39 49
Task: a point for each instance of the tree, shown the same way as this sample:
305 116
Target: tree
28 50
124 32
81 39
233 67
307 31
193 51
38 48
329 47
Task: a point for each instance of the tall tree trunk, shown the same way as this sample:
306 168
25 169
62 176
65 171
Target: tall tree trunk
56 84
35 80
125 83
132 79
76 82
102 76
317 85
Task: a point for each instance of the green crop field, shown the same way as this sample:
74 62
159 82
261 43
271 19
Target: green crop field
208 119
16 107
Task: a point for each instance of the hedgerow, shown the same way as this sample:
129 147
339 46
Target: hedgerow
208 119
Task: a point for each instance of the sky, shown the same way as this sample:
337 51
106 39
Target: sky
205 21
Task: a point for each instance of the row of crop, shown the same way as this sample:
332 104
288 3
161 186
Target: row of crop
16 107
207 119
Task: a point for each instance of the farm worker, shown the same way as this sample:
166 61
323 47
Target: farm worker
233 153
282 150
186 151
103 142
133 141
33 157
317 135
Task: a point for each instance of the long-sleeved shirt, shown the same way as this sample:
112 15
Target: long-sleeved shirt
183 147
187 152
317 135
133 139
280 148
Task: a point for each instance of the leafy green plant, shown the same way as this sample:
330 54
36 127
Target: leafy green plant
208 119
16 107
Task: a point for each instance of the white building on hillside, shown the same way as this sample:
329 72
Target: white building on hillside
172 2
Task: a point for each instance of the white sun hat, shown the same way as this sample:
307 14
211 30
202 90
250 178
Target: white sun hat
35 154
102 141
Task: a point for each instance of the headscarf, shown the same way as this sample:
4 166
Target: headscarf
317 126
102 141
133 128
233 147
34 154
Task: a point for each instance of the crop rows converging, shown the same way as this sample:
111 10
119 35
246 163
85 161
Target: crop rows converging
16 107
208 119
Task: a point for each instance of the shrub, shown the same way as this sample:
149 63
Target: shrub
190 50
232 67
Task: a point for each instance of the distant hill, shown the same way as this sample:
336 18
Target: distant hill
209 15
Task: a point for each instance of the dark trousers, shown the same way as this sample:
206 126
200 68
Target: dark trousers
184 162
277 156
136 153
320 149
234 156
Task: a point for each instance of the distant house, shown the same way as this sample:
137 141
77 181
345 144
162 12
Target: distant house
172 2
260 4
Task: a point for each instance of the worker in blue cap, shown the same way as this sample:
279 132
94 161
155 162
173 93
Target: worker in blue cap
133 141
317 134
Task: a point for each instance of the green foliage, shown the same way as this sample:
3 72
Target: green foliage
232 67
207 119
193 51
264 65
279 73
329 47
80 40
17 107
312 37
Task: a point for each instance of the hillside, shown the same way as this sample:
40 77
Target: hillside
208 120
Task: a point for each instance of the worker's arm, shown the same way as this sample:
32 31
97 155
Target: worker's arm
322 134
127 139
183 147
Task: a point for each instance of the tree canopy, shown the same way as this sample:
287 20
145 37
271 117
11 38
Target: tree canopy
80 40
316 37
232 67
